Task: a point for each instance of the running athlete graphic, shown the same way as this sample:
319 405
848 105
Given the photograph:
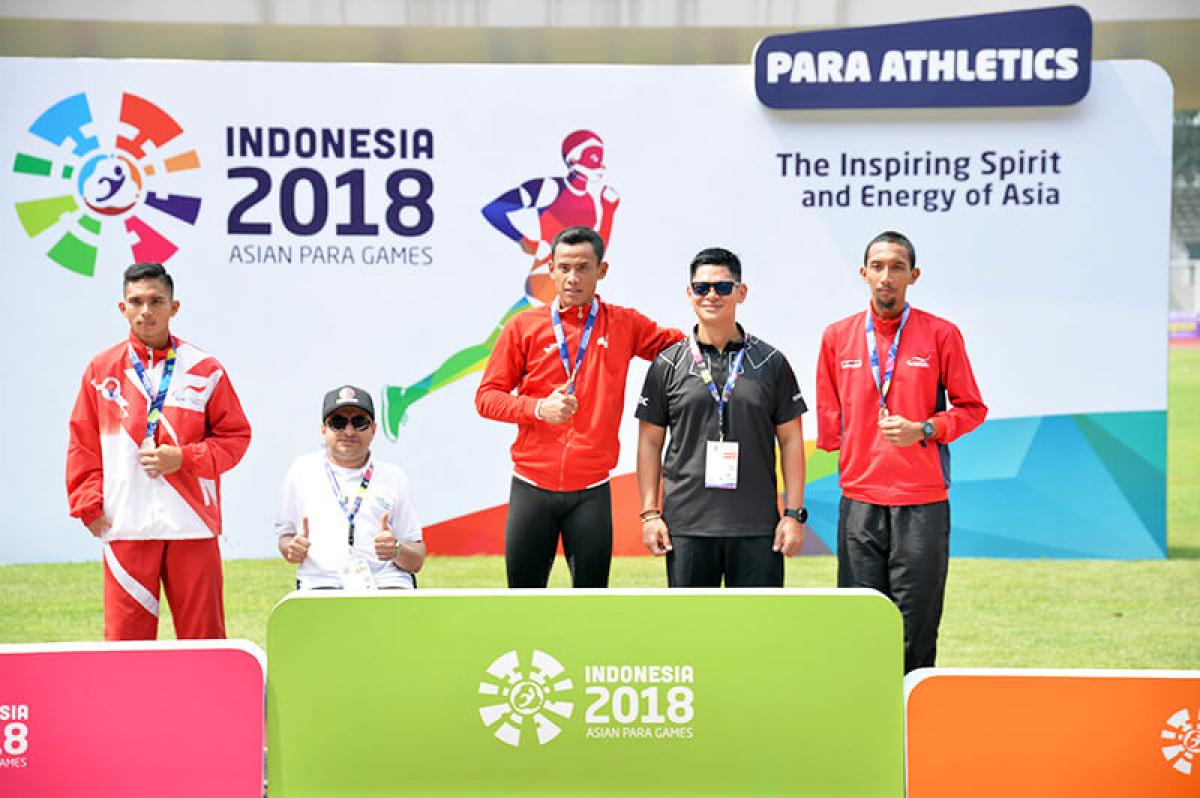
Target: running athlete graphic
531 214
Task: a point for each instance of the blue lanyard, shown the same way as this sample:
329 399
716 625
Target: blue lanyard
722 398
154 412
884 385
350 512
561 338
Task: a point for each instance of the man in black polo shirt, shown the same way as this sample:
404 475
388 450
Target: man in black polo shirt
726 397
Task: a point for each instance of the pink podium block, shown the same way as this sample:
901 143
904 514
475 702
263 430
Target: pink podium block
132 719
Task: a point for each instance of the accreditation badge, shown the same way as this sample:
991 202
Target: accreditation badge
721 465
355 572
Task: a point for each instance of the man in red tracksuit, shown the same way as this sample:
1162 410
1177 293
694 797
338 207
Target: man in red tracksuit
883 380
155 424
567 363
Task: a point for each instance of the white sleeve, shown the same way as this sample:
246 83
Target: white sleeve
403 518
287 518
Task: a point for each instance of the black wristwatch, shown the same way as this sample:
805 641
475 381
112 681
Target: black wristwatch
928 430
800 514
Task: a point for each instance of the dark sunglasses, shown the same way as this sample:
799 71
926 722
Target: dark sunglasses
724 288
338 423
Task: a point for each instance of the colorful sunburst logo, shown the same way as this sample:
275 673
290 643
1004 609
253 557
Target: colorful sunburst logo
89 183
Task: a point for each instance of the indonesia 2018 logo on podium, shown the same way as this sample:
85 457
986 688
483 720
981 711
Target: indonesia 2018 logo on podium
1181 742
520 698
78 183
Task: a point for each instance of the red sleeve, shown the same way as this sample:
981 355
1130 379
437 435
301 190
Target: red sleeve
85 465
829 404
649 339
494 399
967 410
227 436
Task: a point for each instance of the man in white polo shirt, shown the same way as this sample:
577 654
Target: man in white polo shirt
344 517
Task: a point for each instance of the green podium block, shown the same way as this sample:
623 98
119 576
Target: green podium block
605 692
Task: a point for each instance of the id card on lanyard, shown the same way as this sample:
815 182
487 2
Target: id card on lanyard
884 383
155 399
561 339
355 570
721 456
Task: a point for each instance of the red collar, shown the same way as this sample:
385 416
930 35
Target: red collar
140 348
883 326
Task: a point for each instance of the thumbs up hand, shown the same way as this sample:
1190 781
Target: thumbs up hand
296 549
559 406
386 546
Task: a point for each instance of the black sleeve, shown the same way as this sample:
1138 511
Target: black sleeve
789 404
652 404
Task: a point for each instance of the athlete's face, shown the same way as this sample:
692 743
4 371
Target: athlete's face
576 270
711 308
348 446
148 307
888 273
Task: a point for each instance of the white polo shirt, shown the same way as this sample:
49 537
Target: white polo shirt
308 493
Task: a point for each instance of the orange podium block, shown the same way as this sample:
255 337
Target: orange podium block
1052 733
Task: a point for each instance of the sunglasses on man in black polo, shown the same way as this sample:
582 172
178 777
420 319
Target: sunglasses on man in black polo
722 287
338 423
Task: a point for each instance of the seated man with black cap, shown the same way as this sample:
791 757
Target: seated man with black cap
344 517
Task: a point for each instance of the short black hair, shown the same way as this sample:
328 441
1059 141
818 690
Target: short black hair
717 256
149 271
892 237
579 234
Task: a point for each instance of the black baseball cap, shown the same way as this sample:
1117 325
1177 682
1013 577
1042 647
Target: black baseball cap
348 396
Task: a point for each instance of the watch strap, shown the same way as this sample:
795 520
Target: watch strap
799 513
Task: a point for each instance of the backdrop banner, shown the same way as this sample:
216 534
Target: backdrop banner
374 224
586 692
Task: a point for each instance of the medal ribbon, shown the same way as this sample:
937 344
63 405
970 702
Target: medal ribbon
885 384
154 412
351 512
706 377
561 338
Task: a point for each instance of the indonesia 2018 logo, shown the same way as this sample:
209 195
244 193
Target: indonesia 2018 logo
1181 742
81 175
524 702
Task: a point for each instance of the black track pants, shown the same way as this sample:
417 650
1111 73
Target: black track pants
741 561
903 552
535 519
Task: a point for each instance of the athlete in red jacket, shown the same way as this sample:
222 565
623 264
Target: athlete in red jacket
883 380
155 424
569 377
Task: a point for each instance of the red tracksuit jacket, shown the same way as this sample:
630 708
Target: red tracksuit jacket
931 365
201 415
583 451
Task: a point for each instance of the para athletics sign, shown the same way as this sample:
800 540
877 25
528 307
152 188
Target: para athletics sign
1038 57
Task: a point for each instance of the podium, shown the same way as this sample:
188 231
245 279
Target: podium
135 720
606 692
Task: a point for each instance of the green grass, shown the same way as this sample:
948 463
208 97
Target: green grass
1183 454
999 613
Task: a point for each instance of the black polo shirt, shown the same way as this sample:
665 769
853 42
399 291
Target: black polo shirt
675 397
